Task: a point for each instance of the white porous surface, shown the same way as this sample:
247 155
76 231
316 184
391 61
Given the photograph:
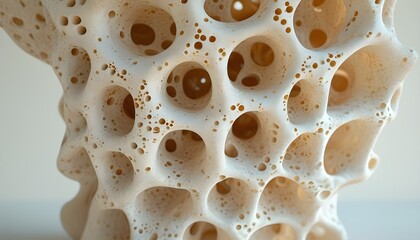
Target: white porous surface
215 119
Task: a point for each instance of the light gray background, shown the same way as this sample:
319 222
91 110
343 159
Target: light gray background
31 131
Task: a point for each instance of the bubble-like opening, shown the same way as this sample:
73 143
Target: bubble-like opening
118 111
285 197
349 147
182 153
232 10
77 166
245 126
303 157
304 102
151 29
189 86
254 64
230 198
163 207
275 231
318 23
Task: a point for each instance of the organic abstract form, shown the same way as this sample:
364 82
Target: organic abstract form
215 119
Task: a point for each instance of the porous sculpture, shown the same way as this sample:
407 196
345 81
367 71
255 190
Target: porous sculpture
215 119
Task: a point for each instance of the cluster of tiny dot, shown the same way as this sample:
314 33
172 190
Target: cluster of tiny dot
215 119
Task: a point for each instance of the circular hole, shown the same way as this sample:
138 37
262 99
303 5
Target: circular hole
231 151
318 23
246 126
189 86
340 81
232 10
64 21
317 38
142 34
76 20
251 81
81 30
145 29
170 145
262 54
223 187
196 83
118 111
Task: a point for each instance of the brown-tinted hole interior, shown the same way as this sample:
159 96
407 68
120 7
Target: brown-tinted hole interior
142 34
245 126
235 65
196 83
201 231
189 86
317 38
223 187
231 151
262 54
145 29
340 81
128 107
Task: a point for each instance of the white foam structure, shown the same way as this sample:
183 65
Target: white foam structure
215 119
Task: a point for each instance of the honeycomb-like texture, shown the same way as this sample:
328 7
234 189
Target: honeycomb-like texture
215 119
